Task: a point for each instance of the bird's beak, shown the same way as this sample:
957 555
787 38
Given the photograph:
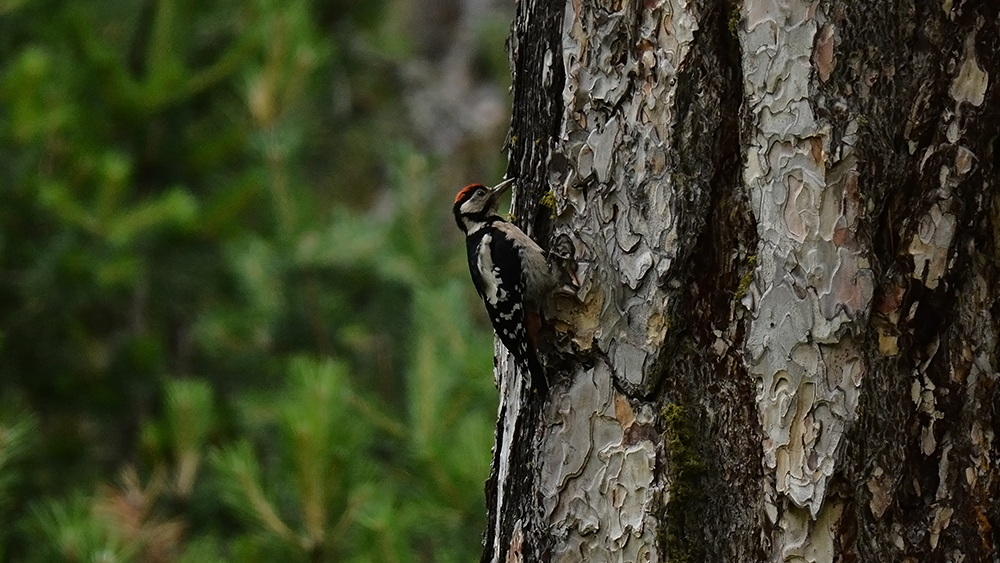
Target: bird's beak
498 191
501 188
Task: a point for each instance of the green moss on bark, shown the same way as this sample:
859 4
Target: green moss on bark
685 487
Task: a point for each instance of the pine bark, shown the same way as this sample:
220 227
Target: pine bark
778 224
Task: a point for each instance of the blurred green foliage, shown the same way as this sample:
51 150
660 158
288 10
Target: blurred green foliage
235 323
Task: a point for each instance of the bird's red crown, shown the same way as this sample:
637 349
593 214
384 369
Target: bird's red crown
467 191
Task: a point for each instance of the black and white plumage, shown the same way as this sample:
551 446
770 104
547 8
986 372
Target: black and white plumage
509 271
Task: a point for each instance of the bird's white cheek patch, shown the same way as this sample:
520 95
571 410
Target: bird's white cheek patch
472 205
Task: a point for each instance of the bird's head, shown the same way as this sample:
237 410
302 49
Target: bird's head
476 203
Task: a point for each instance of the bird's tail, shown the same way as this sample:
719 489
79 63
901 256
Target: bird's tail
532 324
533 368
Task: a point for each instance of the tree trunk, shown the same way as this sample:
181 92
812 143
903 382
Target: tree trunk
779 228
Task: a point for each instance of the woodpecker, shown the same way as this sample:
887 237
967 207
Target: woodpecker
510 273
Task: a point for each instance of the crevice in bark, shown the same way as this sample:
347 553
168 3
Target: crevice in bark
907 459
538 78
535 50
722 237
517 524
